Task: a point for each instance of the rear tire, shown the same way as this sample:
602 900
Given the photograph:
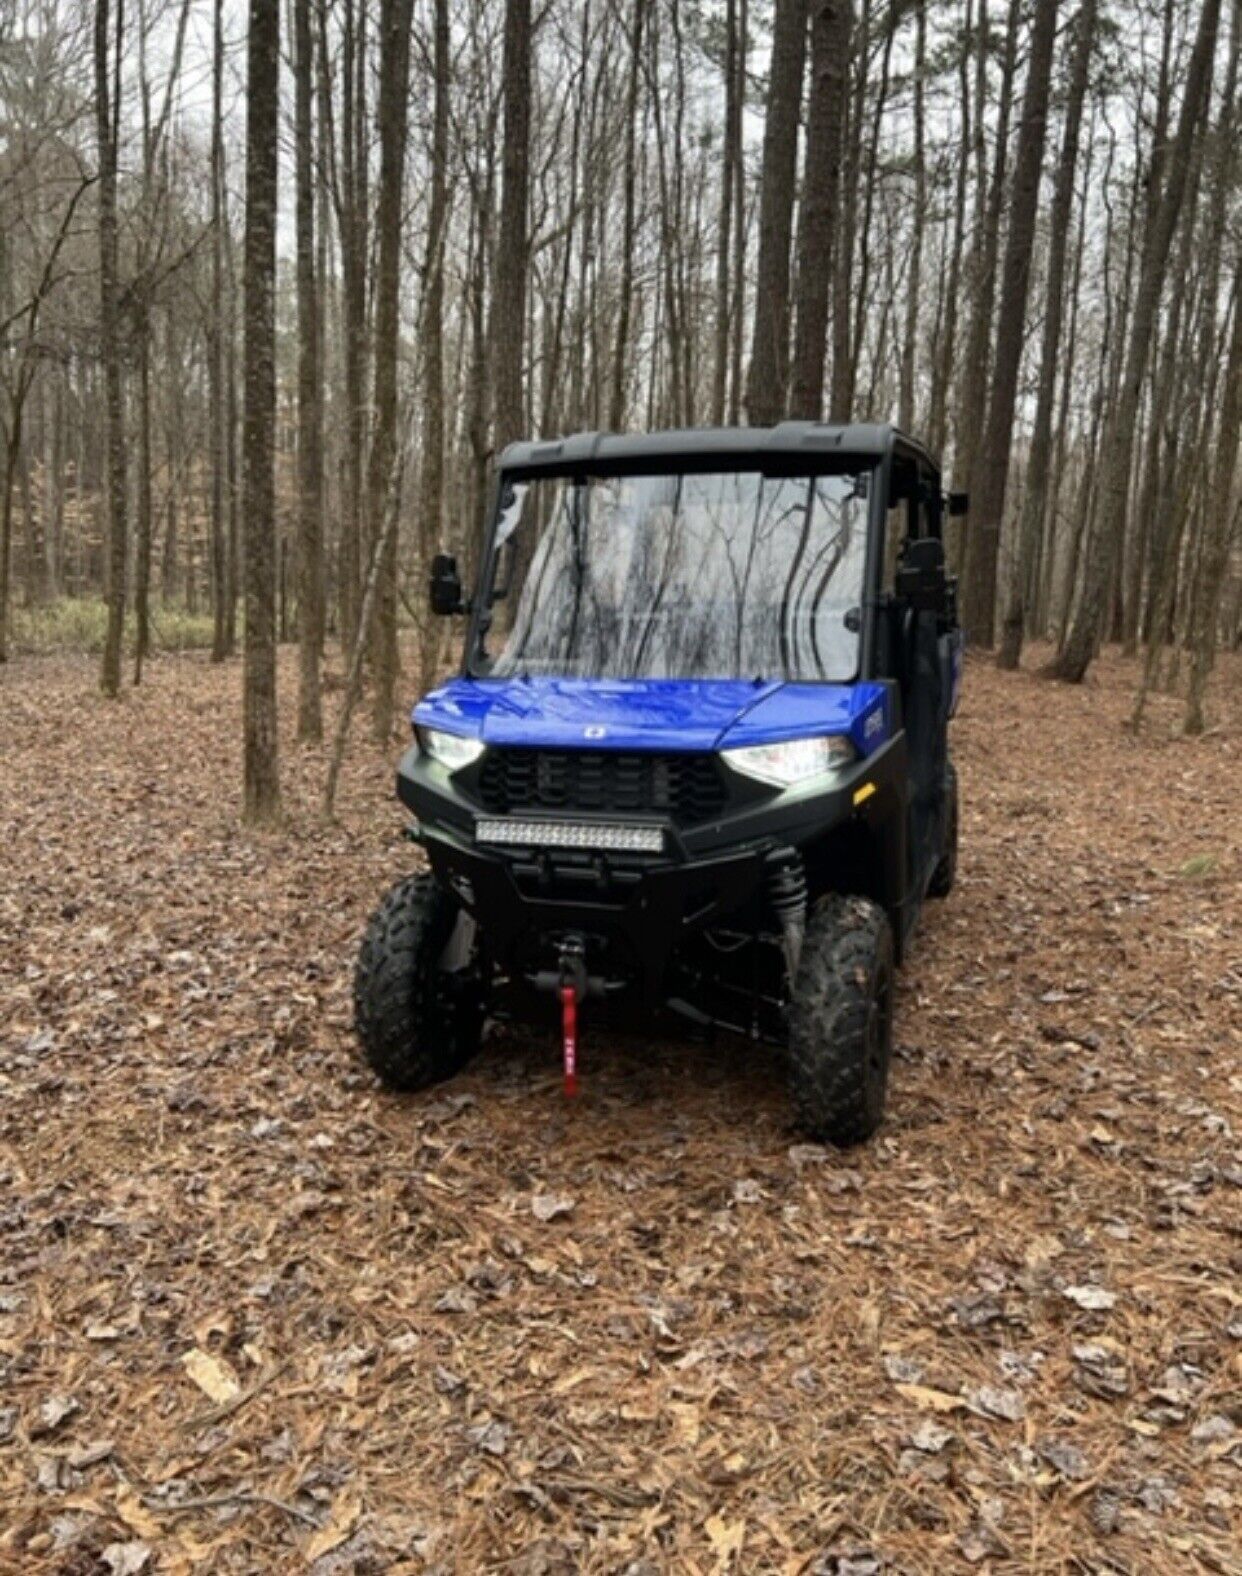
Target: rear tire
417 1023
841 1020
945 873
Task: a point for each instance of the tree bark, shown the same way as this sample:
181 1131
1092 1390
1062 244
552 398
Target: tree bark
629 181
260 757
507 334
831 30
431 480
732 152
769 359
310 413
106 112
146 462
910 335
395 17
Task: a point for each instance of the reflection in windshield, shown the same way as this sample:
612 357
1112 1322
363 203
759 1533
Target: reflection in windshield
730 575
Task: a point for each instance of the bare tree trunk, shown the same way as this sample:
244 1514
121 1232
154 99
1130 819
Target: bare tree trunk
508 323
909 346
976 368
739 229
1222 509
841 398
384 540
261 767
431 510
106 113
1035 497
769 357
831 29
1079 645
946 344
217 363
616 402
728 178
146 460
310 411
395 17
352 217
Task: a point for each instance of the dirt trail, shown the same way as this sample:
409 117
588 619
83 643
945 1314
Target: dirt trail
1006 1334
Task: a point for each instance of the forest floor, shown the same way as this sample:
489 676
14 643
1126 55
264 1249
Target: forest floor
258 1316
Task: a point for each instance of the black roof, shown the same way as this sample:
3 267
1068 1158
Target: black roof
789 440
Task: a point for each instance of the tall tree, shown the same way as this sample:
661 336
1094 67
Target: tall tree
769 357
1222 520
394 83
1035 497
218 361
310 410
431 479
831 28
732 151
261 777
910 332
1117 460
107 113
974 373
507 334
629 182
352 202
983 538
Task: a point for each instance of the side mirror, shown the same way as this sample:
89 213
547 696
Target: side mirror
921 581
959 503
446 593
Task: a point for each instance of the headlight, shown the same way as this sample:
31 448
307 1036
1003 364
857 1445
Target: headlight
450 749
794 761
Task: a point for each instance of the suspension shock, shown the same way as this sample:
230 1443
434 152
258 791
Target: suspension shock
787 895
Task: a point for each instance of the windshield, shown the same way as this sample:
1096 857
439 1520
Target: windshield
721 575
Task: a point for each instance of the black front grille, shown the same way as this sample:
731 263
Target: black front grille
686 787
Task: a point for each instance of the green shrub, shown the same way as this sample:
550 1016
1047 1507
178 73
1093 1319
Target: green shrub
79 624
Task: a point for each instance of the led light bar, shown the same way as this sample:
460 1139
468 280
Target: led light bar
608 837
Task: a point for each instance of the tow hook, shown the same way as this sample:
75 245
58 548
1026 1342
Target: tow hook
571 967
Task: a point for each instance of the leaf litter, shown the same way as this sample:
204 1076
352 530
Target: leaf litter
256 1314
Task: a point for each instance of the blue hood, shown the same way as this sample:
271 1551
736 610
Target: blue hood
654 714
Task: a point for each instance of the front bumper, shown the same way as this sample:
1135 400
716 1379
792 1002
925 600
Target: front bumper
639 906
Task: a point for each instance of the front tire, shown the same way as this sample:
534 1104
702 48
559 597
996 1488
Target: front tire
418 1022
841 1020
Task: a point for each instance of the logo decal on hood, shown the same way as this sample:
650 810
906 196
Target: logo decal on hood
595 731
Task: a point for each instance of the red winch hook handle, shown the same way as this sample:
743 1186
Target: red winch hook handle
569 1038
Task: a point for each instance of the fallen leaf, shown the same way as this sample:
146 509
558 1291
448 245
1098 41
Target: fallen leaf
930 1438
1093 1298
89 1455
490 1437
213 1376
991 1401
126 1559
726 1537
341 1523
135 1514
550 1206
57 1409
931 1400
1068 1460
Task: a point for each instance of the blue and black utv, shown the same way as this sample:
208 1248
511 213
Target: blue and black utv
695 760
